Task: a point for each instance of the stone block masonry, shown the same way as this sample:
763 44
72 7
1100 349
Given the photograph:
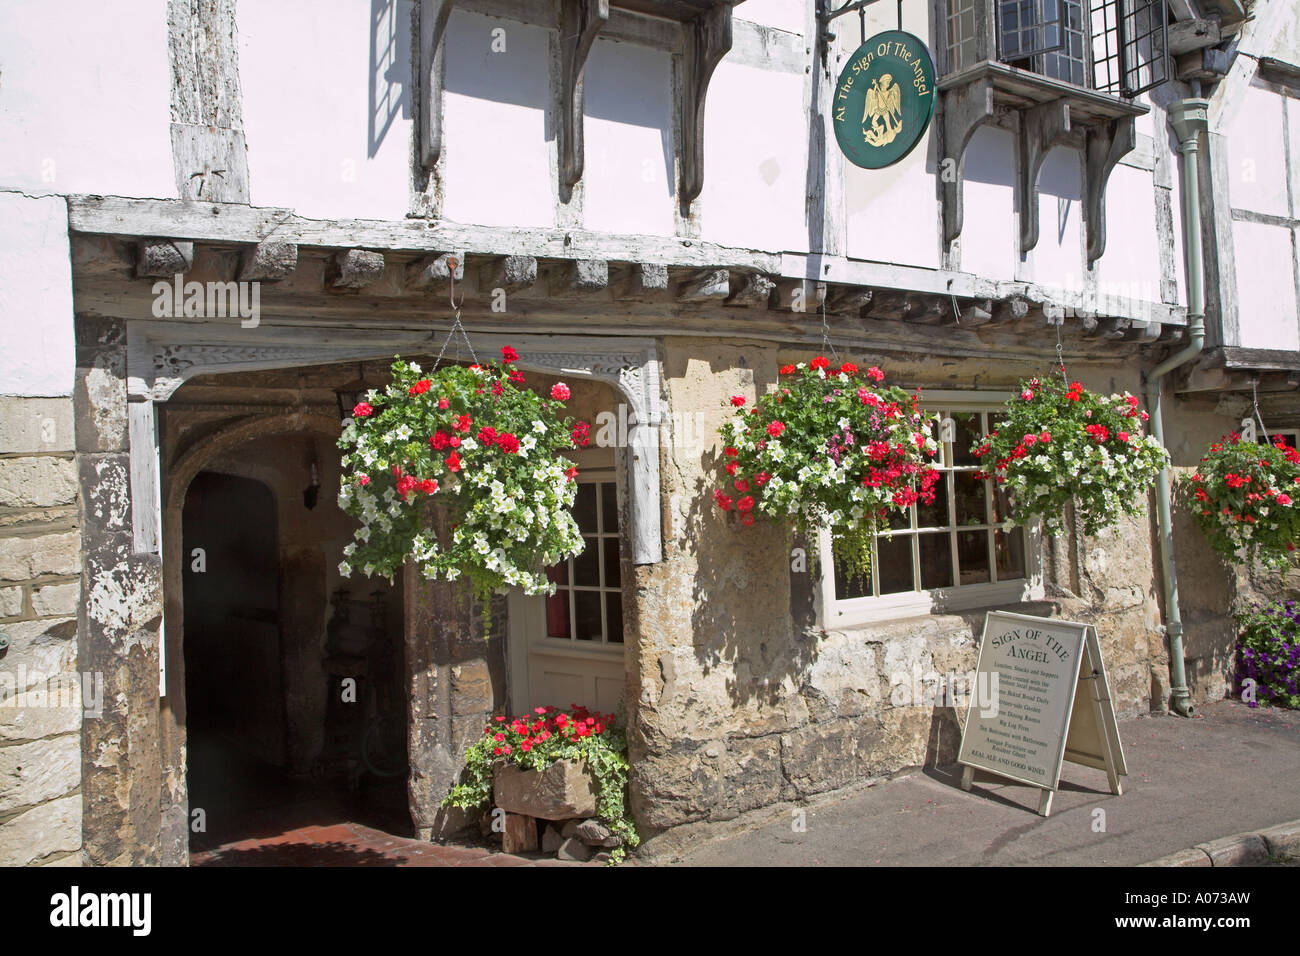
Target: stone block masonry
40 590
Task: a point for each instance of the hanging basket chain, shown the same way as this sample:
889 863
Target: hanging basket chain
1060 354
456 326
1254 401
826 335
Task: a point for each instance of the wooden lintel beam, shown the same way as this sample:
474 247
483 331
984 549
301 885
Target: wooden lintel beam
751 289
707 286
644 280
269 261
163 257
510 273
356 269
435 274
579 277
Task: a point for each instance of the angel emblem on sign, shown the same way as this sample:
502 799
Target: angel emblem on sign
882 120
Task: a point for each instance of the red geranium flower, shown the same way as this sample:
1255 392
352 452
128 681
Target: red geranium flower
420 387
738 400
363 410
453 461
775 428
560 392
788 369
508 443
508 354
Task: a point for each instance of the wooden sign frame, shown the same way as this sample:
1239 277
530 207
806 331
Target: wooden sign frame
1089 734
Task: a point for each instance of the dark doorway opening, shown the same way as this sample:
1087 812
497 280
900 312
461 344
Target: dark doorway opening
295 715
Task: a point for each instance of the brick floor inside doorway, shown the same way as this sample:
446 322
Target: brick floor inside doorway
354 844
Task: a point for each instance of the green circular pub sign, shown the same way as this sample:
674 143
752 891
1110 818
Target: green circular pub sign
884 99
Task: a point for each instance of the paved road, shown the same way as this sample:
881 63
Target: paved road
1228 770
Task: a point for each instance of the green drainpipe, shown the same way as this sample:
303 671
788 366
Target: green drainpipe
1189 118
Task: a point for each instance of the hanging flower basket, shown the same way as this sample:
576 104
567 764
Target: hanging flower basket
472 441
1241 496
831 447
1058 444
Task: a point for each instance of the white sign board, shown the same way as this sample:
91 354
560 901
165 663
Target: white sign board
1050 702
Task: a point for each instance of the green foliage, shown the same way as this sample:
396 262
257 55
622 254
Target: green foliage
1057 444
829 448
1268 653
477 444
1241 497
535 741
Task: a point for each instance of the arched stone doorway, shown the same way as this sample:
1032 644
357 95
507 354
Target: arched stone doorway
280 726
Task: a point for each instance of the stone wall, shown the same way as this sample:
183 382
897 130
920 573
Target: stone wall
738 705
40 588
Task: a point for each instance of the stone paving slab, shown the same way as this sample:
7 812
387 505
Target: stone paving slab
1191 782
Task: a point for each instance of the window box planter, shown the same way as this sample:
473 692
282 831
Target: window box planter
565 790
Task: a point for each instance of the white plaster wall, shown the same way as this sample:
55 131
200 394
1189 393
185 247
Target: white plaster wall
327 121
755 167
1057 260
789 15
1266 297
1130 266
499 153
628 176
37 352
891 213
1257 157
85 98
989 239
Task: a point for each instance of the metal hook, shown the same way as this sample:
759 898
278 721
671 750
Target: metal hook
452 265
1254 401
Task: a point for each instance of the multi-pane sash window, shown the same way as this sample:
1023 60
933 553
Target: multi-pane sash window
588 602
1114 46
958 551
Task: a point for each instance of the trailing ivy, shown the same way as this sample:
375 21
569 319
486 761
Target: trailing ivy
537 740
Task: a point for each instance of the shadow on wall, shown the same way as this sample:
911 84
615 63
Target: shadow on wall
740 617
389 74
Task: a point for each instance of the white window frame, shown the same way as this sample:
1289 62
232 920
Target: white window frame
834 614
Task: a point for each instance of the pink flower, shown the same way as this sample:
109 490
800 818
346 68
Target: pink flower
1284 499
1030 439
1027 395
363 480
560 392
1122 436
443 403
362 410
775 429
1045 437
875 374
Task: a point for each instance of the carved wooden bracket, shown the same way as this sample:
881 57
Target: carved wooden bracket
580 21
1104 147
965 109
434 15
707 40
1041 128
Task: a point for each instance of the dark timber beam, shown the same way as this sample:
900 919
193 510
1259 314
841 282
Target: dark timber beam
708 38
580 21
